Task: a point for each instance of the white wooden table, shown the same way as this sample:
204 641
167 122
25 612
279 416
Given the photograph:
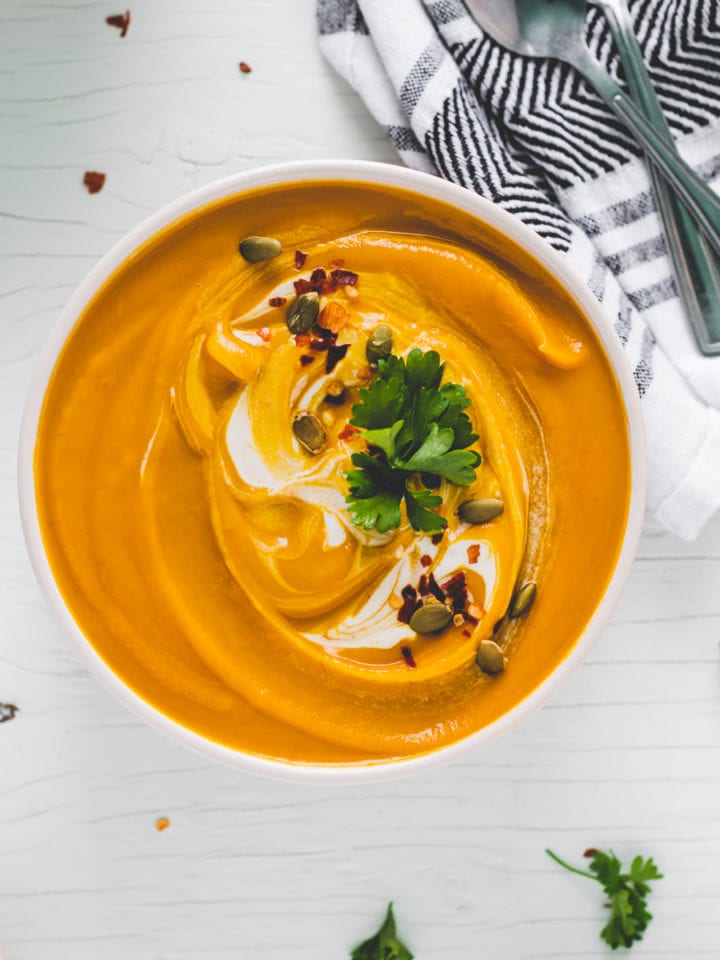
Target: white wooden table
626 755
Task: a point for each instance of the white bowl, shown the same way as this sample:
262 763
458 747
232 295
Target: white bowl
374 173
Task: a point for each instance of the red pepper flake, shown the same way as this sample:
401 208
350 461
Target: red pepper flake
348 432
119 20
437 537
473 552
303 286
435 590
94 181
408 657
317 275
423 586
245 67
410 603
300 259
470 618
277 301
162 823
466 633
337 263
426 559
264 334
344 278
590 852
409 591
456 589
305 359
334 355
302 339
8 711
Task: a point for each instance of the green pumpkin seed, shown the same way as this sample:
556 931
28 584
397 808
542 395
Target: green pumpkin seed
380 344
303 312
490 657
522 600
257 249
480 511
431 618
309 432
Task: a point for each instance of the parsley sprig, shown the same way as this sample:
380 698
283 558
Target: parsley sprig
626 893
414 428
384 945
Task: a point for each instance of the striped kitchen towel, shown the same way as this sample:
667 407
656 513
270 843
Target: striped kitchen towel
533 137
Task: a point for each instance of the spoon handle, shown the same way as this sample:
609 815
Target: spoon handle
700 200
696 268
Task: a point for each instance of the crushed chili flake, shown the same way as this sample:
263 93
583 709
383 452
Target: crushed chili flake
469 618
348 432
466 633
162 823
8 711
408 657
264 334
426 559
409 592
303 286
455 583
473 552
119 20
277 301
300 259
423 586
94 181
337 263
435 589
305 359
302 339
245 67
436 538
317 275
344 278
334 355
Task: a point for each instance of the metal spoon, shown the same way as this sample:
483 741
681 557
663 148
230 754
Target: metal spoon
554 28
697 270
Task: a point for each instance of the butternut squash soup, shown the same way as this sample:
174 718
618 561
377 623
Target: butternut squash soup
332 473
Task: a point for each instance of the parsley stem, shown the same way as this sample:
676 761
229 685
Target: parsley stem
581 873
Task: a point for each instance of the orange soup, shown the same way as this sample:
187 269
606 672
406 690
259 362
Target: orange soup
345 492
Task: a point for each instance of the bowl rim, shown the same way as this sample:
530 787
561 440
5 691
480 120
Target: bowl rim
372 173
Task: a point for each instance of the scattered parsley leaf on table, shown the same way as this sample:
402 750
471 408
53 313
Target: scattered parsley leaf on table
626 894
413 426
384 945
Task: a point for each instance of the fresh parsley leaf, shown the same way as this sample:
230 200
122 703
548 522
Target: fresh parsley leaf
412 425
384 945
626 893
420 505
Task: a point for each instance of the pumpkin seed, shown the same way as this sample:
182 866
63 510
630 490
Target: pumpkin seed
522 600
257 249
431 618
380 344
309 432
480 511
303 312
490 657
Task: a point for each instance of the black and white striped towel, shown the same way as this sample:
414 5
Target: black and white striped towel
532 136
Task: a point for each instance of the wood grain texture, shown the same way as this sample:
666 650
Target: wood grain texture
626 755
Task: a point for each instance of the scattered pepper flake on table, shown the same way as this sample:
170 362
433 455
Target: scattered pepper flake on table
162 823
94 181
8 711
245 67
119 20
